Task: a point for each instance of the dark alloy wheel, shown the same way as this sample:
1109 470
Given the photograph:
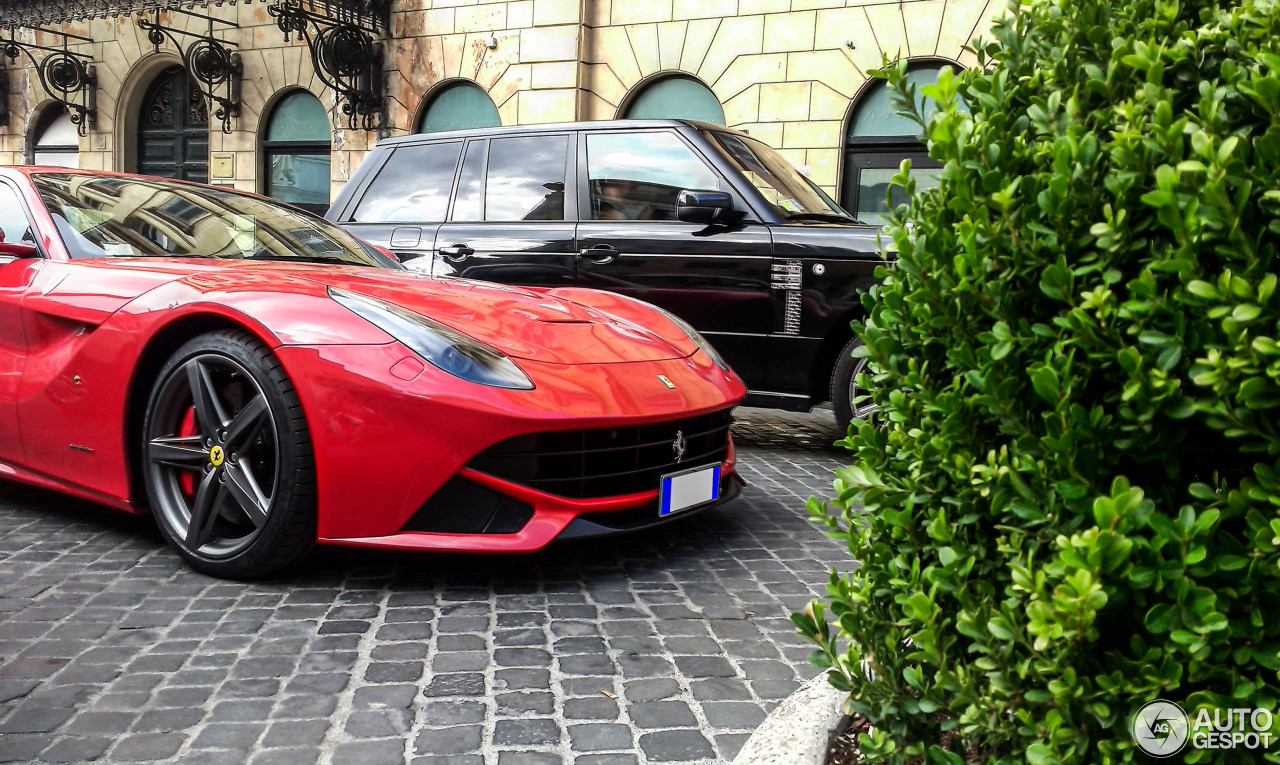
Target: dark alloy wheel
229 469
845 390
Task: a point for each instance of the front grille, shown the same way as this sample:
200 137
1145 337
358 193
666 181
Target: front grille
606 462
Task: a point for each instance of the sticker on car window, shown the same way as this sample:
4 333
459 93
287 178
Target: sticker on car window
790 205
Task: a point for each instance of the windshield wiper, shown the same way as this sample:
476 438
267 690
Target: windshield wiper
827 217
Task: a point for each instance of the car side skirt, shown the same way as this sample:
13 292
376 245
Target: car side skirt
40 480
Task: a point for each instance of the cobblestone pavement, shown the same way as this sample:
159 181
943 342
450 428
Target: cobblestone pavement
665 646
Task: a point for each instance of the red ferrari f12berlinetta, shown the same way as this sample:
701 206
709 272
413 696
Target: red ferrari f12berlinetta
261 381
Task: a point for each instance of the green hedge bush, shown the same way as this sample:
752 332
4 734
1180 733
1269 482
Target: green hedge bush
1074 506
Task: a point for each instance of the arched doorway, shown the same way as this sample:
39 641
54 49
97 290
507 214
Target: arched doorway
877 141
676 96
173 129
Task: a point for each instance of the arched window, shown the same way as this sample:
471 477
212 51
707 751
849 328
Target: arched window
55 140
676 97
878 140
459 106
296 152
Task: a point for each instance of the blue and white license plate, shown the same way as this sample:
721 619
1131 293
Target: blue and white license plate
688 488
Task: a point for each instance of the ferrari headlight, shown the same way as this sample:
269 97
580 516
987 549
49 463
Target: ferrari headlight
445 347
695 336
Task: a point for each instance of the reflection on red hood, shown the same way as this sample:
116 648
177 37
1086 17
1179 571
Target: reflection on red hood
521 323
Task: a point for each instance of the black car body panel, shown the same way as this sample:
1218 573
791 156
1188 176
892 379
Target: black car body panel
774 293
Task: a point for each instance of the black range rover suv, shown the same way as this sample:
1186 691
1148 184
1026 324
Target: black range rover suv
708 223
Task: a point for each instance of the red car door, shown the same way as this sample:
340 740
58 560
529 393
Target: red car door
16 276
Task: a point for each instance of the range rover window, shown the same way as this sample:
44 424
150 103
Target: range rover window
638 176
412 186
526 178
782 186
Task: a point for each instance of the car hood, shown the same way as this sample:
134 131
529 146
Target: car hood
524 324
584 327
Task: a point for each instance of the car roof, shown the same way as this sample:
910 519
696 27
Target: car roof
550 127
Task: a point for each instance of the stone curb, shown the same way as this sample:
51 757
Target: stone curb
796 733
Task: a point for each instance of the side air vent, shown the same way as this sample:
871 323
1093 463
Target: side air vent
463 507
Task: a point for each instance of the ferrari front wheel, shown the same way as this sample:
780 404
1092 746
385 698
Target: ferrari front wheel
228 462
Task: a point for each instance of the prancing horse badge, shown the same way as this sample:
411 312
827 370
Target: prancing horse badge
667 382
679 445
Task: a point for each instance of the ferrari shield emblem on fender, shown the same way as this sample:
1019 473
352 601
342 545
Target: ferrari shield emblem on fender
667 382
679 445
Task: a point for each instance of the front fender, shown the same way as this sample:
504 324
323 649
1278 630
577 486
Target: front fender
307 317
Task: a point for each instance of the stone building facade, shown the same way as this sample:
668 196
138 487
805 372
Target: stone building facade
791 72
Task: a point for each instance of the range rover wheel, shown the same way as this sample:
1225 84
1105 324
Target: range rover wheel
228 463
845 389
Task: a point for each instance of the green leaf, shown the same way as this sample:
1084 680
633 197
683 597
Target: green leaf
1000 627
1046 383
1104 512
1072 489
1227 147
1231 562
919 607
1203 289
1042 754
1164 527
1245 313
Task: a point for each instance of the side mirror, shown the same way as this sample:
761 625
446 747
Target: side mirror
703 206
18 250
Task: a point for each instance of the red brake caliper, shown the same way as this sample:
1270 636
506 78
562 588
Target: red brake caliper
188 428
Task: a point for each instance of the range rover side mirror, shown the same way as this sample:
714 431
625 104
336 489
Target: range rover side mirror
703 206
18 250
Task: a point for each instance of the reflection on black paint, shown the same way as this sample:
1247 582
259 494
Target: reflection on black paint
412 186
526 178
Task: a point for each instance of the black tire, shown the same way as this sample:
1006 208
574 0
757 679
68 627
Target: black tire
225 441
844 387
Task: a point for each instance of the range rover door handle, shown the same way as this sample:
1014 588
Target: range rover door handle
456 251
601 253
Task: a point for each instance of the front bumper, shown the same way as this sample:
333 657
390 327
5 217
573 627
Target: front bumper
387 441
553 518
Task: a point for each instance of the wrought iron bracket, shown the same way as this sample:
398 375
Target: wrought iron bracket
66 75
344 54
214 68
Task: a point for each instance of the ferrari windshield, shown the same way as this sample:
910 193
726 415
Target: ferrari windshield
790 193
118 217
